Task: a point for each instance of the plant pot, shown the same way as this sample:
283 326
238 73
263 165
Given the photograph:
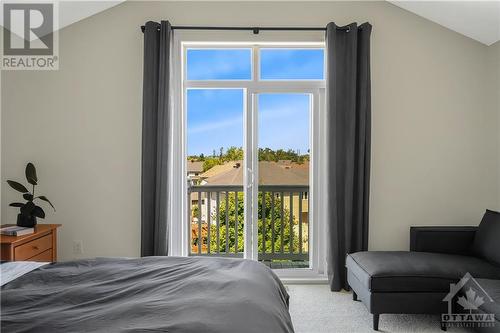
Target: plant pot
26 221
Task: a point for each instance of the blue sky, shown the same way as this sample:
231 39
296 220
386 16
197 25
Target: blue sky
215 116
221 64
279 64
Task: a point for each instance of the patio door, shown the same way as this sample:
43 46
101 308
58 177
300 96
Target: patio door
283 168
215 171
249 151
278 142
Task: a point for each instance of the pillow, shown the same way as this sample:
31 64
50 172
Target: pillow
487 239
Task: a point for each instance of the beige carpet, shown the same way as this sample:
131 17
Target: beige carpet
314 309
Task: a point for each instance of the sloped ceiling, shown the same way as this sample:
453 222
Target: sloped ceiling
72 11
479 20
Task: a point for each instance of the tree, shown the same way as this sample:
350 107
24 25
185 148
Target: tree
236 154
233 154
266 217
210 162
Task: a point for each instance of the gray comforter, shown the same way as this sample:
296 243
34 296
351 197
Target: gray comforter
153 294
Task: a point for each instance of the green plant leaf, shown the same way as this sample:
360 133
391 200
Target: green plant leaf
31 174
28 196
27 209
16 204
44 198
38 212
17 186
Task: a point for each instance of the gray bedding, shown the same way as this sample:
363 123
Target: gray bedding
152 294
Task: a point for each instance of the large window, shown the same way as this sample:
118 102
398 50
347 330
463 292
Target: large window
251 115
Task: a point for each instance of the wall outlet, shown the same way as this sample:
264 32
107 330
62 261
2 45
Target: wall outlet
77 247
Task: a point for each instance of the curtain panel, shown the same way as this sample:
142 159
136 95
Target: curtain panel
348 139
155 139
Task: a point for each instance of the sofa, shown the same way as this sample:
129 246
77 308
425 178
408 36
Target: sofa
418 281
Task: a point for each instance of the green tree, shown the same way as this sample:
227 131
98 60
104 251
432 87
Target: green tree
233 154
281 224
236 154
210 162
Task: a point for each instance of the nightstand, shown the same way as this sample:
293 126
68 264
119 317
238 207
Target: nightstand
38 246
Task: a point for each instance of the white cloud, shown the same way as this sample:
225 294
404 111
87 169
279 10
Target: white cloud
215 125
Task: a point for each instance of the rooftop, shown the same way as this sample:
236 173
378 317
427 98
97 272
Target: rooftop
270 173
194 167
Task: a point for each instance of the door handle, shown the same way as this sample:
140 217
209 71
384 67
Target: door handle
251 178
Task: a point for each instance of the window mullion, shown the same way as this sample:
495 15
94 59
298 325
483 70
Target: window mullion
256 64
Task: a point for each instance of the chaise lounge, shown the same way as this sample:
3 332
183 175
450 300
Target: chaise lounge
418 280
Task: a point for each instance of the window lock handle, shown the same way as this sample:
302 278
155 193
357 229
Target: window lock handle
251 178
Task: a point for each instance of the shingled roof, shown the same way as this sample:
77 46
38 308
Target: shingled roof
194 167
270 173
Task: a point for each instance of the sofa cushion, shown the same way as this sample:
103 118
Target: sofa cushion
492 288
487 239
400 271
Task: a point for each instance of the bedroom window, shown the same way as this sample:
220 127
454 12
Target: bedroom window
250 118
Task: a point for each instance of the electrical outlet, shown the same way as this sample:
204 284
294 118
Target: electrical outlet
77 247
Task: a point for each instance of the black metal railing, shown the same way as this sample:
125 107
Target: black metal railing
217 221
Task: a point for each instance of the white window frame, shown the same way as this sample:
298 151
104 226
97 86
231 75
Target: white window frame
179 232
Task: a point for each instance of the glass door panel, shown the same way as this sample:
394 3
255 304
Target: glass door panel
283 179
215 171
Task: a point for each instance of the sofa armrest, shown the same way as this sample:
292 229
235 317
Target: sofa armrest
452 240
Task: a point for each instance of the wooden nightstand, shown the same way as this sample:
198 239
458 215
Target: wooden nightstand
39 246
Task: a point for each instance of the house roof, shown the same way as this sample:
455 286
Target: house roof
270 173
222 168
194 166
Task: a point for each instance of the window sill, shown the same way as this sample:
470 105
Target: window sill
300 276
318 280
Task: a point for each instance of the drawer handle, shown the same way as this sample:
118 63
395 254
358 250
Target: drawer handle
35 247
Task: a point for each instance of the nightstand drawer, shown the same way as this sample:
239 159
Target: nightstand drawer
45 256
33 248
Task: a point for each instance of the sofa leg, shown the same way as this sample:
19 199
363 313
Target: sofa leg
376 318
354 296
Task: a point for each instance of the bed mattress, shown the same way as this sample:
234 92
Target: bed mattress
151 294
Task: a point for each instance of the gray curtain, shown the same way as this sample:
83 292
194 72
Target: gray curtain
155 136
348 138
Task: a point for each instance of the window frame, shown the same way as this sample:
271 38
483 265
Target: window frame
179 234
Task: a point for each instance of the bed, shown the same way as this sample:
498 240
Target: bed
152 294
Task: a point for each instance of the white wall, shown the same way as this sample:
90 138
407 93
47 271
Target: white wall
434 127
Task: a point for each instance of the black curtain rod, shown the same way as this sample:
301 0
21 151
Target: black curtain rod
255 30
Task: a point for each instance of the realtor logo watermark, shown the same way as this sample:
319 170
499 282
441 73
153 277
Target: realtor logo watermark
30 38
467 296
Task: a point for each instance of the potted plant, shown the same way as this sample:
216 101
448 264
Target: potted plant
29 211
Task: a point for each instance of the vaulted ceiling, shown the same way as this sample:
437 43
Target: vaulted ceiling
71 11
479 20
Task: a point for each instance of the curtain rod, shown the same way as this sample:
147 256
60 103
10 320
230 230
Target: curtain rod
255 30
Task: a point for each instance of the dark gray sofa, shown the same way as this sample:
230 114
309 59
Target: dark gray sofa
492 287
418 280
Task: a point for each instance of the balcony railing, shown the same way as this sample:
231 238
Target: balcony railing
217 221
